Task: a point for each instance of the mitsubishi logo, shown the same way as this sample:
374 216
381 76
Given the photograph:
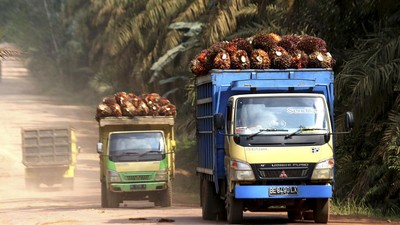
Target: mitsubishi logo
283 174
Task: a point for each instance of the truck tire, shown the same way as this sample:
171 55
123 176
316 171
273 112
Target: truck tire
234 209
294 215
103 195
321 210
108 198
210 202
166 197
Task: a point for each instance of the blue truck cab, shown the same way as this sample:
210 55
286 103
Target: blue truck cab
264 142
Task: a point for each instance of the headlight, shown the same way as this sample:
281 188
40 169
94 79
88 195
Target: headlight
324 170
161 175
241 171
113 176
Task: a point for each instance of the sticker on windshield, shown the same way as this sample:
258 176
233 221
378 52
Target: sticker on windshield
302 110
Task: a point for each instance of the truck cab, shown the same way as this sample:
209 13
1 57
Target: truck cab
136 160
265 142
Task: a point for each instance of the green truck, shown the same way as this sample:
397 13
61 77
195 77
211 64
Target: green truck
137 159
49 156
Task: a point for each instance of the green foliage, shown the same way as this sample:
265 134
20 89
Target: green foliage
368 159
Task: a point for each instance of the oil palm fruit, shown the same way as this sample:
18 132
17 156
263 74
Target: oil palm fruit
240 60
259 59
280 59
310 44
266 42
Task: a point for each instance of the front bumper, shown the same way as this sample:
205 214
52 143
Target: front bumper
136 187
269 191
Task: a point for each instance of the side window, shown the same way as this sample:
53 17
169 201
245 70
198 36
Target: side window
228 117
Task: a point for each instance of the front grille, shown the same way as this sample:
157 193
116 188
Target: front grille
275 173
137 177
284 171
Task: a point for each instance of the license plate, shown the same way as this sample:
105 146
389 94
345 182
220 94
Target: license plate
138 186
283 190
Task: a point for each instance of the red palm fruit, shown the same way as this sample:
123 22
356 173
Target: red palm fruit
266 42
128 109
121 97
280 59
243 44
135 100
116 110
197 68
164 101
259 59
240 60
142 109
102 110
150 99
310 44
290 42
222 60
167 110
320 60
299 60
231 48
109 100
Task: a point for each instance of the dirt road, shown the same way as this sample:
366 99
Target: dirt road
21 106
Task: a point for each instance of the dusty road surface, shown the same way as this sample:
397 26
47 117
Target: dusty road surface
22 106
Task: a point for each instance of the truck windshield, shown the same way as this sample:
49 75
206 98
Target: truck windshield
137 144
280 115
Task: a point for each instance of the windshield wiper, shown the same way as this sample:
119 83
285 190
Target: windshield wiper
151 151
301 129
263 130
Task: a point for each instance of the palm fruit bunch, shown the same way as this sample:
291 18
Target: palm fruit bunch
202 63
280 58
266 42
263 51
320 60
290 42
299 60
222 60
130 105
240 60
259 59
243 44
310 44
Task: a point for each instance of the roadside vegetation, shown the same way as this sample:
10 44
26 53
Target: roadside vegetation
94 48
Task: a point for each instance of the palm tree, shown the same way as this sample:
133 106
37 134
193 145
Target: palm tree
370 83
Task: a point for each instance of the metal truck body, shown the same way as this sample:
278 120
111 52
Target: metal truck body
136 159
49 156
264 142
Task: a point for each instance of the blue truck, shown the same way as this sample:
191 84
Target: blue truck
264 142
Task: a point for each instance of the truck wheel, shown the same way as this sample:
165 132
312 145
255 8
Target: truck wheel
294 215
321 210
234 209
308 215
104 195
209 201
166 197
108 198
112 200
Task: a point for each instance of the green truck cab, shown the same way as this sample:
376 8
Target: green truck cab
137 156
49 156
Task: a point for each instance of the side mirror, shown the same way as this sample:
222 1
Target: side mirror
99 147
219 121
349 120
173 144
